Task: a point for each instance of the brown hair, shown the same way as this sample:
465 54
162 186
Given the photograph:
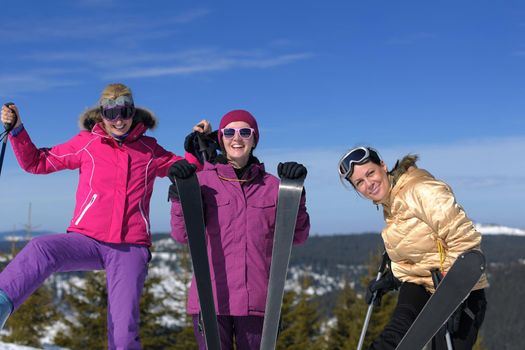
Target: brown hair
115 90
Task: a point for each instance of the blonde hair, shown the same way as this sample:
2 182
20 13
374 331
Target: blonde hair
113 91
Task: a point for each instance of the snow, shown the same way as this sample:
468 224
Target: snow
491 229
9 346
6 346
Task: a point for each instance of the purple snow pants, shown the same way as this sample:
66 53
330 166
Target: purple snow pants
126 268
247 331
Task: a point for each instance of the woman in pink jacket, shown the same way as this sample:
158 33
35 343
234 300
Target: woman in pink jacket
239 199
110 227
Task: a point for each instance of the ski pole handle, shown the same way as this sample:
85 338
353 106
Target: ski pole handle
436 277
9 126
384 261
202 144
380 271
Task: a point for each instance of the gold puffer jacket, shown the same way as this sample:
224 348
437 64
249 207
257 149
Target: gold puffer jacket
421 214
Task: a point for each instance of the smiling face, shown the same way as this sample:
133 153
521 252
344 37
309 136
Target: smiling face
371 180
120 95
117 127
237 148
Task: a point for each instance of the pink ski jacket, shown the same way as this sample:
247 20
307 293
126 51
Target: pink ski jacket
115 179
240 222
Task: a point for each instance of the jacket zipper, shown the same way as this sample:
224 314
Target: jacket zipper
86 208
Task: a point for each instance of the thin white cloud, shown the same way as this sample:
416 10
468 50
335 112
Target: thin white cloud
104 29
134 65
14 84
208 64
192 15
410 39
92 40
96 3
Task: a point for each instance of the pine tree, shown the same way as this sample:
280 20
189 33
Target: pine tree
88 302
25 326
348 313
185 338
153 333
300 327
87 328
286 321
28 325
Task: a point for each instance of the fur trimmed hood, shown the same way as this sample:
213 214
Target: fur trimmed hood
92 116
402 166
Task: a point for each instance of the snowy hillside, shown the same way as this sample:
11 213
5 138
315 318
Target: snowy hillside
8 346
490 229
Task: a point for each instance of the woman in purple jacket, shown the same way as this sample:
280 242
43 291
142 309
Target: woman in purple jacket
239 199
110 228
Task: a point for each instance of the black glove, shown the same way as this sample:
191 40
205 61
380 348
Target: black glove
386 283
291 170
181 169
455 319
208 145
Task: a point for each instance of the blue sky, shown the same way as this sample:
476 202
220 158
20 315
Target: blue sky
440 79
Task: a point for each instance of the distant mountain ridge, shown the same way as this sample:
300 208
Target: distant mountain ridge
21 234
485 229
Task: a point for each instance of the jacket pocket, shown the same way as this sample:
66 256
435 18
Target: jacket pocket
262 215
86 208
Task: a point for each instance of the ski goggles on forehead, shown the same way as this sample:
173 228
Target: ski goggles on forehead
244 133
124 100
355 156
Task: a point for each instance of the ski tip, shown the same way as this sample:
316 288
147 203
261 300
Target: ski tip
474 254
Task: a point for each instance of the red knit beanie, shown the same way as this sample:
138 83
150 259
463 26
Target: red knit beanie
239 115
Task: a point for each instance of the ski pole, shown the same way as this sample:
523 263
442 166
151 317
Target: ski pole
436 279
8 127
380 272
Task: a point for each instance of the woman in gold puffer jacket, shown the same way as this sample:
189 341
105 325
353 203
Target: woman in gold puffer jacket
425 229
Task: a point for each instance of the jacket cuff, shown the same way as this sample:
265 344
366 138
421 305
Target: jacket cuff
17 130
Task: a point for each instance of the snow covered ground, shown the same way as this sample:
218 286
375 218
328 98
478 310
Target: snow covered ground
7 346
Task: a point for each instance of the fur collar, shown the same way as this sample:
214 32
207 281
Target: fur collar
402 166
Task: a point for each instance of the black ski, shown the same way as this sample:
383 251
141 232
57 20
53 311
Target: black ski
191 201
453 289
287 208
